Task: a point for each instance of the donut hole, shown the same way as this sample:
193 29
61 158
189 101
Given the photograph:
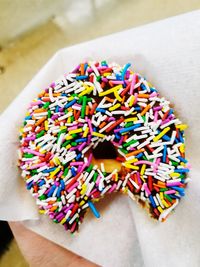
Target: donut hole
106 153
105 150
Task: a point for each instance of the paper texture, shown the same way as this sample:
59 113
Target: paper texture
167 53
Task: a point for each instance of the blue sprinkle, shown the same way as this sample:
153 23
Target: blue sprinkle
152 201
58 194
28 117
181 170
29 185
182 159
139 155
164 153
174 196
41 182
73 171
81 77
166 137
71 103
93 209
125 69
57 109
180 136
171 111
81 140
180 190
85 66
137 108
101 110
49 170
78 156
130 128
51 191
118 77
117 136
62 184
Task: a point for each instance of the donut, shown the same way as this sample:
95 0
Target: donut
97 113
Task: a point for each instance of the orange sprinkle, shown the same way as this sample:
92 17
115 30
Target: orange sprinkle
109 99
135 152
82 68
87 110
102 124
145 109
39 110
40 121
143 96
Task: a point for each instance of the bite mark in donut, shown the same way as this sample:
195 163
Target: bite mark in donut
97 107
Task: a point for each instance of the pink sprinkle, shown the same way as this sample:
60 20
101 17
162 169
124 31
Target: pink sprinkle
170 192
147 189
133 84
144 162
90 125
173 183
112 188
155 116
72 187
27 150
37 166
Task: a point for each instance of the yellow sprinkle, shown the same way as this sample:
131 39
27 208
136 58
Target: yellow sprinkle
70 98
86 132
63 127
182 148
143 169
54 172
56 160
86 91
182 127
165 203
41 211
117 96
46 125
112 90
98 134
161 195
84 189
68 146
174 174
161 134
131 119
82 202
63 220
131 166
86 198
160 209
116 177
141 176
69 120
131 101
115 107
68 137
76 131
132 160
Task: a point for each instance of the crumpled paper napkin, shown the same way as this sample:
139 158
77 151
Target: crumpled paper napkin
167 53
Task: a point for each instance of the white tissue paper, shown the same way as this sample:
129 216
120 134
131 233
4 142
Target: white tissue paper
167 53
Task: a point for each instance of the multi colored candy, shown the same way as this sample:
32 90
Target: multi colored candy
97 104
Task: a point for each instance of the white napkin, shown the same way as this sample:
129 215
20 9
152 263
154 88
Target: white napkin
167 53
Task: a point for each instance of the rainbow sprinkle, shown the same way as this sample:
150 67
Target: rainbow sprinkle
94 104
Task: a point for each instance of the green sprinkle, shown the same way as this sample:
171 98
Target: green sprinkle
26 155
40 134
83 107
66 172
46 105
129 143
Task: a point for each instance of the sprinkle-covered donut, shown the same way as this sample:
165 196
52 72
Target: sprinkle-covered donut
102 111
